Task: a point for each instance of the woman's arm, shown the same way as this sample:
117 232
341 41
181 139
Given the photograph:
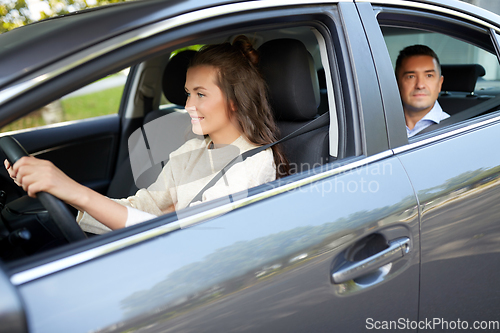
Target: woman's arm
35 175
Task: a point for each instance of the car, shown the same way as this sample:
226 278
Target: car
371 230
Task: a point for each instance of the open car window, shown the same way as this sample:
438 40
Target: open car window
168 127
468 59
153 109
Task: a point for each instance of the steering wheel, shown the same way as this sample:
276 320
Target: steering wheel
57 209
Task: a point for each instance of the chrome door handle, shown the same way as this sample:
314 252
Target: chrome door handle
398 248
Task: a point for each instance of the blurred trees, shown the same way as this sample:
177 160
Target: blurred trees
16 13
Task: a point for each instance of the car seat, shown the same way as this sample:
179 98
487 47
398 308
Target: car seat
457 92
294 92
174 78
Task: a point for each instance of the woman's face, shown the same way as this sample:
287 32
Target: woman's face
206 104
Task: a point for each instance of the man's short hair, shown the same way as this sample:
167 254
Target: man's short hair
415 50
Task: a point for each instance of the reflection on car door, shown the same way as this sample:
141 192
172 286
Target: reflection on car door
458 187
263 267
456 178
12 314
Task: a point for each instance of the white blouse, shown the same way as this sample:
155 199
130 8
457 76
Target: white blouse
188 170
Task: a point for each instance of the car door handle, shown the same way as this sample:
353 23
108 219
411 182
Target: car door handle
398 248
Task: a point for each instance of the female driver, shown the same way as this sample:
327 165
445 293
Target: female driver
227 103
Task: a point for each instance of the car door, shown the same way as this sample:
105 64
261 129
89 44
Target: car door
332 248
264 267
12 313
454 170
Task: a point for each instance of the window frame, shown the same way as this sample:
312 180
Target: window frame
436 22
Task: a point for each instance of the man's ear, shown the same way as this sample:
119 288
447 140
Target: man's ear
441 80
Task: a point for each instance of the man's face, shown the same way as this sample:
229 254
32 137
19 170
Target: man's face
419 83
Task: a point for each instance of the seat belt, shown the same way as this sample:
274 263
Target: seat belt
316 123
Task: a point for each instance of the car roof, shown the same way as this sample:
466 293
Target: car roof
35 45
56 38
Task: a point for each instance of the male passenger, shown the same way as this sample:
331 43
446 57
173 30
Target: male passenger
418 73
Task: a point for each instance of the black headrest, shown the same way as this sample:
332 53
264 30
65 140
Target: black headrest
461 77
174 77
288 69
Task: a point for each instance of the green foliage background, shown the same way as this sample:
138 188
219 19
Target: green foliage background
16 13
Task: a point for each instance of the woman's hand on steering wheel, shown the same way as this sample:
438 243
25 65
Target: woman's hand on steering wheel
22 175
42 179
36 175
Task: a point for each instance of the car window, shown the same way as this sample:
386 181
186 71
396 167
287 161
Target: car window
168 127
468 61
450 51
99 98
155 123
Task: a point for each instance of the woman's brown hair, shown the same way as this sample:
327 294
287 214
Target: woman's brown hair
246 91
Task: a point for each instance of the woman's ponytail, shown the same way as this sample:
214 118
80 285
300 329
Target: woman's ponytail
245 46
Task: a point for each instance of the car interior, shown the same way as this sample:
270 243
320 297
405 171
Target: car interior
287 64
471 71
292 64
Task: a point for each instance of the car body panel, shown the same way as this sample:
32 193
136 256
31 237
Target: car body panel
393 112
458 190
12 315
225 268
370 108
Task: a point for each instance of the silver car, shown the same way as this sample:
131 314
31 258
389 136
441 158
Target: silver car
371 231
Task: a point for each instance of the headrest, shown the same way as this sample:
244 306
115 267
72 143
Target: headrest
174 77
288 69
461 77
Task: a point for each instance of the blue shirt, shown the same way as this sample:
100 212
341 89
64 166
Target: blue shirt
434 116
